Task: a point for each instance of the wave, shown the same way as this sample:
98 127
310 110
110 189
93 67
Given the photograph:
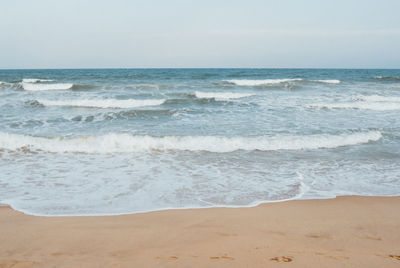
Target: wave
125 143
221 95
388 78
40 87
378 98
145 86
377 106
105 103
246 82
5 83
35 80
332 81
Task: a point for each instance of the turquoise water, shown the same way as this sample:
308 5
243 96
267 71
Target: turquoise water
115 141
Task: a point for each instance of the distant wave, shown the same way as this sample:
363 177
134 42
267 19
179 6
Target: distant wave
246 82
388 78
116 143
333 81
221 95
104 103
145 86
377 106
40 87
35 80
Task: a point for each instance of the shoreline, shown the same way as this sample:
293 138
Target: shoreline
252 205
347 231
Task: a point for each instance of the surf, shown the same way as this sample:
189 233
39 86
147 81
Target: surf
103 103
221 95
126 143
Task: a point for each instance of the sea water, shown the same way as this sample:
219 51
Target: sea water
116 141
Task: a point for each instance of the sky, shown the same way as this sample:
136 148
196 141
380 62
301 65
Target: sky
199 34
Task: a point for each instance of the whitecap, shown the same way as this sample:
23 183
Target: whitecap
332 81
103 103
221 95
246 82
125 143
40 87
377 98
35 80
377 106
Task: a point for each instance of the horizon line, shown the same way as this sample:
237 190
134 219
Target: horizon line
216 68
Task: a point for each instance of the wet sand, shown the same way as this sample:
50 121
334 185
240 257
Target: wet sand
341 232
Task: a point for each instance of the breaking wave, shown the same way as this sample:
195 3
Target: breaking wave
35 80
377 106
333 81
246 82
221 95
378 98
105 103
125 143
266 82
369 102
2 84
388 78
40 87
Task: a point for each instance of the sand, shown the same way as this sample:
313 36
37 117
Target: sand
341 232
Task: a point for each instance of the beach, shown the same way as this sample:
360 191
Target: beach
102 142
346 231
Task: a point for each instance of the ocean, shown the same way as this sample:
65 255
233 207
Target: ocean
119 141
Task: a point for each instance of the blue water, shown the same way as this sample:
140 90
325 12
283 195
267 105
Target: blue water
114 141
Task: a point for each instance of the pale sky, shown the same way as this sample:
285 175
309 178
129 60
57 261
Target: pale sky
206 33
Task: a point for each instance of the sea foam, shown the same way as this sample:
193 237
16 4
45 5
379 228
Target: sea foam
333 81
40 87
104 103
369 102
125 143
377 98
246 82
35 80
221 95
359 105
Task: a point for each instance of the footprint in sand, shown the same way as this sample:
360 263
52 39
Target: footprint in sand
224 257
396 257
282 259
319 236
169 258
226 234
337 257
371 238
16 263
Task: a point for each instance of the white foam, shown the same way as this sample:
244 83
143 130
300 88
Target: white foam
114 143
104 103
221 95
377 106
245 82
333 81
40 87
35 80
4 83
377 98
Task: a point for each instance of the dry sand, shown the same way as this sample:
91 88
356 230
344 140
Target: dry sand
341 232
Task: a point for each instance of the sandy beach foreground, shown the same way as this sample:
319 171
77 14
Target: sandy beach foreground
341 232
